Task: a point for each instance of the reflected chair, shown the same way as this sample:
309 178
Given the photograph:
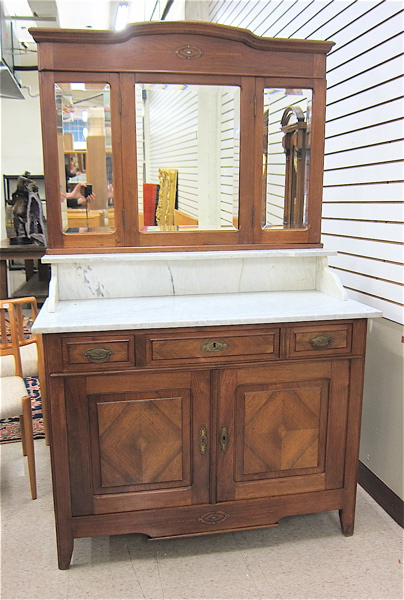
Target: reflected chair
31 349
150 197
14 399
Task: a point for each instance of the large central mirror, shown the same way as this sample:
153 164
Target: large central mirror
188 156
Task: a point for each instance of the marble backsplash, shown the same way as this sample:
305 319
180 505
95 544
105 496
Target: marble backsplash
105 276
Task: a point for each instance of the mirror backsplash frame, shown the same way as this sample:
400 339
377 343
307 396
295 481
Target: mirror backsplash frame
187 53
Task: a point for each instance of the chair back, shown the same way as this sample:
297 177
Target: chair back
9 345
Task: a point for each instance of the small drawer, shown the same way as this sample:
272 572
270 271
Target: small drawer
98 353
320 340
213 347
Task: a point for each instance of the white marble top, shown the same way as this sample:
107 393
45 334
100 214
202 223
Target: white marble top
177 256
202 310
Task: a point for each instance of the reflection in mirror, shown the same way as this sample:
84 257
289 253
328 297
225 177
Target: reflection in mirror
85 157
194 131
286 157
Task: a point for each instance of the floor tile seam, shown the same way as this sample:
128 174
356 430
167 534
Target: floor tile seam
331 556
242 550
156 558
133 568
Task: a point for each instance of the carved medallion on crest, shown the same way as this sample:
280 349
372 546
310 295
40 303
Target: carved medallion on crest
189 52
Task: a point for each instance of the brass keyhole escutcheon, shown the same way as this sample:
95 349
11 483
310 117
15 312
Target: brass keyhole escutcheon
214 346
224 438
203 440
98 355
320 342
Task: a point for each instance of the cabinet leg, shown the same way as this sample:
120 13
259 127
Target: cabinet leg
65 551
347 520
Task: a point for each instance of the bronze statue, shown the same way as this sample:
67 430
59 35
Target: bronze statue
27 213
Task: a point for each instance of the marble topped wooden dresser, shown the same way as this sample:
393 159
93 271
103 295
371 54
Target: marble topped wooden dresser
199 394
205 368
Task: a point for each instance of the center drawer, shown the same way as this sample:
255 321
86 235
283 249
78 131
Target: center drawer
215 347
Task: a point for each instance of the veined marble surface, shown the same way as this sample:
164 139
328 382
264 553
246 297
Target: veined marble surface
198 310
181 277
83 277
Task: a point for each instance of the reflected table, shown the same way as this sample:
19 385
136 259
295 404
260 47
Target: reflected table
37 283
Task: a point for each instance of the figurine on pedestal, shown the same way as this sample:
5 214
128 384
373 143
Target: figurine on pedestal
27 213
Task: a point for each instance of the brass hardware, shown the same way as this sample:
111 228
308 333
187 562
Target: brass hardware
224 438
203 440
214 346
98 355
320 342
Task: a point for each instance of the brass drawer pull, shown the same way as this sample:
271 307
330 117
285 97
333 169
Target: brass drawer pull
214 346
203 440
224 438
98 355
320 342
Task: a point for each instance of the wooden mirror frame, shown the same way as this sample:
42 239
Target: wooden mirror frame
181 52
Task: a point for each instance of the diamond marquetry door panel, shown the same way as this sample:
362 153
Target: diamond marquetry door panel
286 428
143 449
139 439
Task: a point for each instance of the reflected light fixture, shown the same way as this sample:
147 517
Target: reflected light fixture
122 16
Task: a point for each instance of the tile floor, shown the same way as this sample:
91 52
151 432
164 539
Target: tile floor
305 557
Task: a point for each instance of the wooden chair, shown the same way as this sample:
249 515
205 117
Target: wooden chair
14 399
31 350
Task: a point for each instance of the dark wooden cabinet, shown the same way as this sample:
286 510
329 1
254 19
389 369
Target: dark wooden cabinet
193 430
245 436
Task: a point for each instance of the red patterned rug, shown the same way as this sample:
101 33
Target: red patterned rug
10 428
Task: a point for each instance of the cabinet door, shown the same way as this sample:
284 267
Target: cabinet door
282 429
138 441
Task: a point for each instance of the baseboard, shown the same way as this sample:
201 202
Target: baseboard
384 496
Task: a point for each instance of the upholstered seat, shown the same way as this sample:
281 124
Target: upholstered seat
31 349
12 389
14 400
29 361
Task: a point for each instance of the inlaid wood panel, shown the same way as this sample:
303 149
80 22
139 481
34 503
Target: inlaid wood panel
141 438
282 429
285 429
135 440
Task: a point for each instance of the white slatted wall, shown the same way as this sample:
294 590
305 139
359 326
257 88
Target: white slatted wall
140 148
167 121
363 178
173 140
229 155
